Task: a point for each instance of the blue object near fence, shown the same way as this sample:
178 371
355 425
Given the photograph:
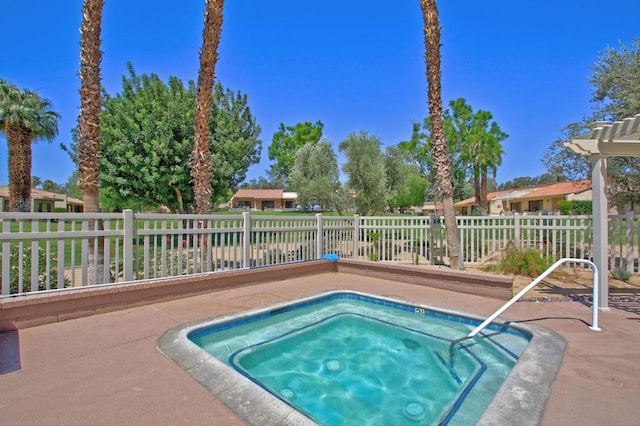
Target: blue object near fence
331 257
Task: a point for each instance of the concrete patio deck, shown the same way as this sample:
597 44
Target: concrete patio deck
105 369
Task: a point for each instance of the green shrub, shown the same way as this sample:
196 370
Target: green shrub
575 207
527 262
24 257
621 274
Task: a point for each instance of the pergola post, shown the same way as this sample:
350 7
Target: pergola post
617 139
600 221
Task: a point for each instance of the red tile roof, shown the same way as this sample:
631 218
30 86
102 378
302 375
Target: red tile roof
540 191
37 194
259 194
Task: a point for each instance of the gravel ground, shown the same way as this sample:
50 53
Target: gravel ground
577 285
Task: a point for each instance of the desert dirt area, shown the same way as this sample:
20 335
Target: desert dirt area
566 284
577 285
574 283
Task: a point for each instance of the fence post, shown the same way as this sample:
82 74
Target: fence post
356 236
6 258
629 220
319 236
516 230
432 239
127 245
246 239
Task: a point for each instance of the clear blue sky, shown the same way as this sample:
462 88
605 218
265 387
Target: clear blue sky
353 64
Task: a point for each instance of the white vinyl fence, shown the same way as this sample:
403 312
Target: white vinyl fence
45 251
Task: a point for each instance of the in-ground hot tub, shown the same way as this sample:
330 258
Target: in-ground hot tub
356 358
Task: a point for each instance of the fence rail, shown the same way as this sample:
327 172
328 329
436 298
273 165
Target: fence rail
47 251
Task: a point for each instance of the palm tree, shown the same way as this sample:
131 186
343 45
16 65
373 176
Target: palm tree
439 150
482 148
25 117
89 127
201 157
488 159
90 104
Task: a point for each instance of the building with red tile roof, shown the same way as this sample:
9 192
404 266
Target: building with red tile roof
44 201
264 199
539 198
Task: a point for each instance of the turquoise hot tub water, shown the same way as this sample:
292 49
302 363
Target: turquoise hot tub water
352 358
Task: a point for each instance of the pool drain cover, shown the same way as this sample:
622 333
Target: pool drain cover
414 411
334 366
288 393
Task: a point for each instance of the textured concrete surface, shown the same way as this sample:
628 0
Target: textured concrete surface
106 369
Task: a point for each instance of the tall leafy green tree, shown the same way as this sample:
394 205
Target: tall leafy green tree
479 141
458 126
148 136
201 165
58 188
624 182
474 145
51 186
366 170
25 117
616 95
72 187
285 144
439 148
35 181
396 169
564 164
315 176
412 192
418 151
616 82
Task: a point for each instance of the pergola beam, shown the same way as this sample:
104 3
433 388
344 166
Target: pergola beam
615 148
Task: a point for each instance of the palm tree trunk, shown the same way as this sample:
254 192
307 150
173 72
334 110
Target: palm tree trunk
19 142
201 157
89 130
439 149
484 202
477 191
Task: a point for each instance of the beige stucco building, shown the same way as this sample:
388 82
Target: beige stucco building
264 199
533 199
44 201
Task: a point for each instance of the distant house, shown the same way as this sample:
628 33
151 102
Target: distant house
533 199
70 204
44 201
264 199
430 207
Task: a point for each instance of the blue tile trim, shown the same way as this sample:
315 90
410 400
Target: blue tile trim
362 298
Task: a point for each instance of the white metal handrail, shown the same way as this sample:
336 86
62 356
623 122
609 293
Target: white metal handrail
514 299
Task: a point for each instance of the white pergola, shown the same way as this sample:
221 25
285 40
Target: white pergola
617 139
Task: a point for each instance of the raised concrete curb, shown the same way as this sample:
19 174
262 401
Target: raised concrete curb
29 310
